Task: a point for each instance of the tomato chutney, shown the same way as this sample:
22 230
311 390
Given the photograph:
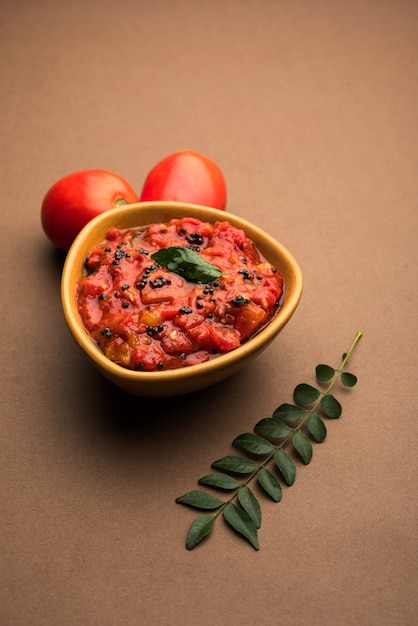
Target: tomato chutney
147 317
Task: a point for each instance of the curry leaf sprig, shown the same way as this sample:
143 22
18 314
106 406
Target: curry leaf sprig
268 458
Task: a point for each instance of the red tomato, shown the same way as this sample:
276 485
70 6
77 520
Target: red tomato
186 176
75 199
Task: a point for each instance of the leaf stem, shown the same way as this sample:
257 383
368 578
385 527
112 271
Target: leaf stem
337 374
350 349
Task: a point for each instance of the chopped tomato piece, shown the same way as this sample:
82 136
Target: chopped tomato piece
176 342
249 319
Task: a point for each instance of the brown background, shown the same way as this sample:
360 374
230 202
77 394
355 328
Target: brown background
310 108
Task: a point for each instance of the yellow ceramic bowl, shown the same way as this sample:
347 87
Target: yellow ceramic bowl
188 379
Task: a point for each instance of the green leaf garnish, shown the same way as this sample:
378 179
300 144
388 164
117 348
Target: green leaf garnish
272 428
348 380
200 527
306 394
302 446
219 481
253 443
270 484
289 413
187 264
250 504
290 425
200 500
242 523
316 427
330 406
324 373
285 466
235 464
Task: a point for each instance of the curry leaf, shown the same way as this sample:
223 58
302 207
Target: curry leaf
219 481
186 263
348 380
200 500
286 466
324 373
242 523
289 413
235 464
269 427
302 446
306 394
331 407
199 529
270 438
316 427
270 484
253 443
250 504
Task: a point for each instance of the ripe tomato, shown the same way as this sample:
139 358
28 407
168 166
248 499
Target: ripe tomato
75 199
186 176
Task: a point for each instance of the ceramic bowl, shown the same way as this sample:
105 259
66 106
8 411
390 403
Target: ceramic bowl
188 379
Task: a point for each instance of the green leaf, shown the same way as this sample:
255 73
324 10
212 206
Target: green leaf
324 373
316 427
219 481
235 464
270 427
186 263
199 529
250 504
271 437
199 500
253 443
270 484
289 413
306 394
331 407
302 446
286 466
242 523
348 380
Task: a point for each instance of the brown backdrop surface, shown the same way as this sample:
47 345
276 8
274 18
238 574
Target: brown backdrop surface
310 108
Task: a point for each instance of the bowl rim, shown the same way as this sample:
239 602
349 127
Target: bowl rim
219 363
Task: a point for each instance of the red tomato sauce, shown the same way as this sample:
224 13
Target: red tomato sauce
147 318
